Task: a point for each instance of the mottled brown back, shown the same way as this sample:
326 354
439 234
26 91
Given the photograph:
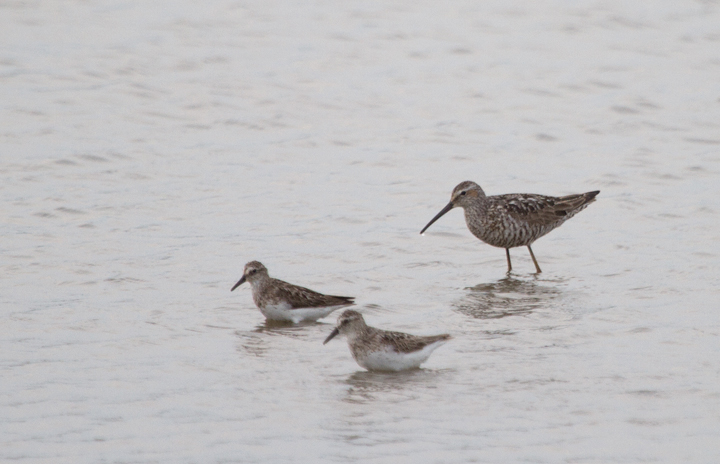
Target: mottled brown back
301 297
406 343
543 209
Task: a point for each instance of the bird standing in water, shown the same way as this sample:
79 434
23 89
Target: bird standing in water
282 301
515 219
381 350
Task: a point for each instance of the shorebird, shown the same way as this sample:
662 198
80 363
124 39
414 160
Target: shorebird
281 301
515 219
380 350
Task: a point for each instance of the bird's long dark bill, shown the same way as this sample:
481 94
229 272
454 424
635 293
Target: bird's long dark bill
447 208
239 283
332 335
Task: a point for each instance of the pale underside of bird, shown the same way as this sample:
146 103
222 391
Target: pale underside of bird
281 301
381 350
513 220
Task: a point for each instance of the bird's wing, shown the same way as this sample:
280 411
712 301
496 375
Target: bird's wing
407 343
542 209
301 297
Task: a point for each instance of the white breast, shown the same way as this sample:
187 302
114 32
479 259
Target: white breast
284 312
390 360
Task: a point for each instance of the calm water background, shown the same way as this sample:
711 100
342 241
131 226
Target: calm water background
150 149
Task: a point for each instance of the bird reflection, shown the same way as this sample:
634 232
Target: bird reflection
506 297
255 342
365 385
251 343
278 327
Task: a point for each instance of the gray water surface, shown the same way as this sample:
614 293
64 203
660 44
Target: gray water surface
150 149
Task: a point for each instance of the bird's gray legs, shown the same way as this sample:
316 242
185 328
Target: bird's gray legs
532 255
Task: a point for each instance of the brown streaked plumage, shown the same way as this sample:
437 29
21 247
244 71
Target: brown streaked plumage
515 219
381 350
279 300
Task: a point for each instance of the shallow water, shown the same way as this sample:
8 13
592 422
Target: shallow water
149 151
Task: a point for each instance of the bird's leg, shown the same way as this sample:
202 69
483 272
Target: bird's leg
532 255
507 253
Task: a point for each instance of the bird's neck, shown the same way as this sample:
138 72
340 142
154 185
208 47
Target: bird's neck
259 283
358 333
478 207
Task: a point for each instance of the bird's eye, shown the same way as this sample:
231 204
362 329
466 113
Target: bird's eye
463 192
252 271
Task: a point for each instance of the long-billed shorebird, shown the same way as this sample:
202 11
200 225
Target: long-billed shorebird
380 350
281 301
515 219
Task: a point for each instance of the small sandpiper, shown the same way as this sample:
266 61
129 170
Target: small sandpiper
515 219
380 350
281 301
